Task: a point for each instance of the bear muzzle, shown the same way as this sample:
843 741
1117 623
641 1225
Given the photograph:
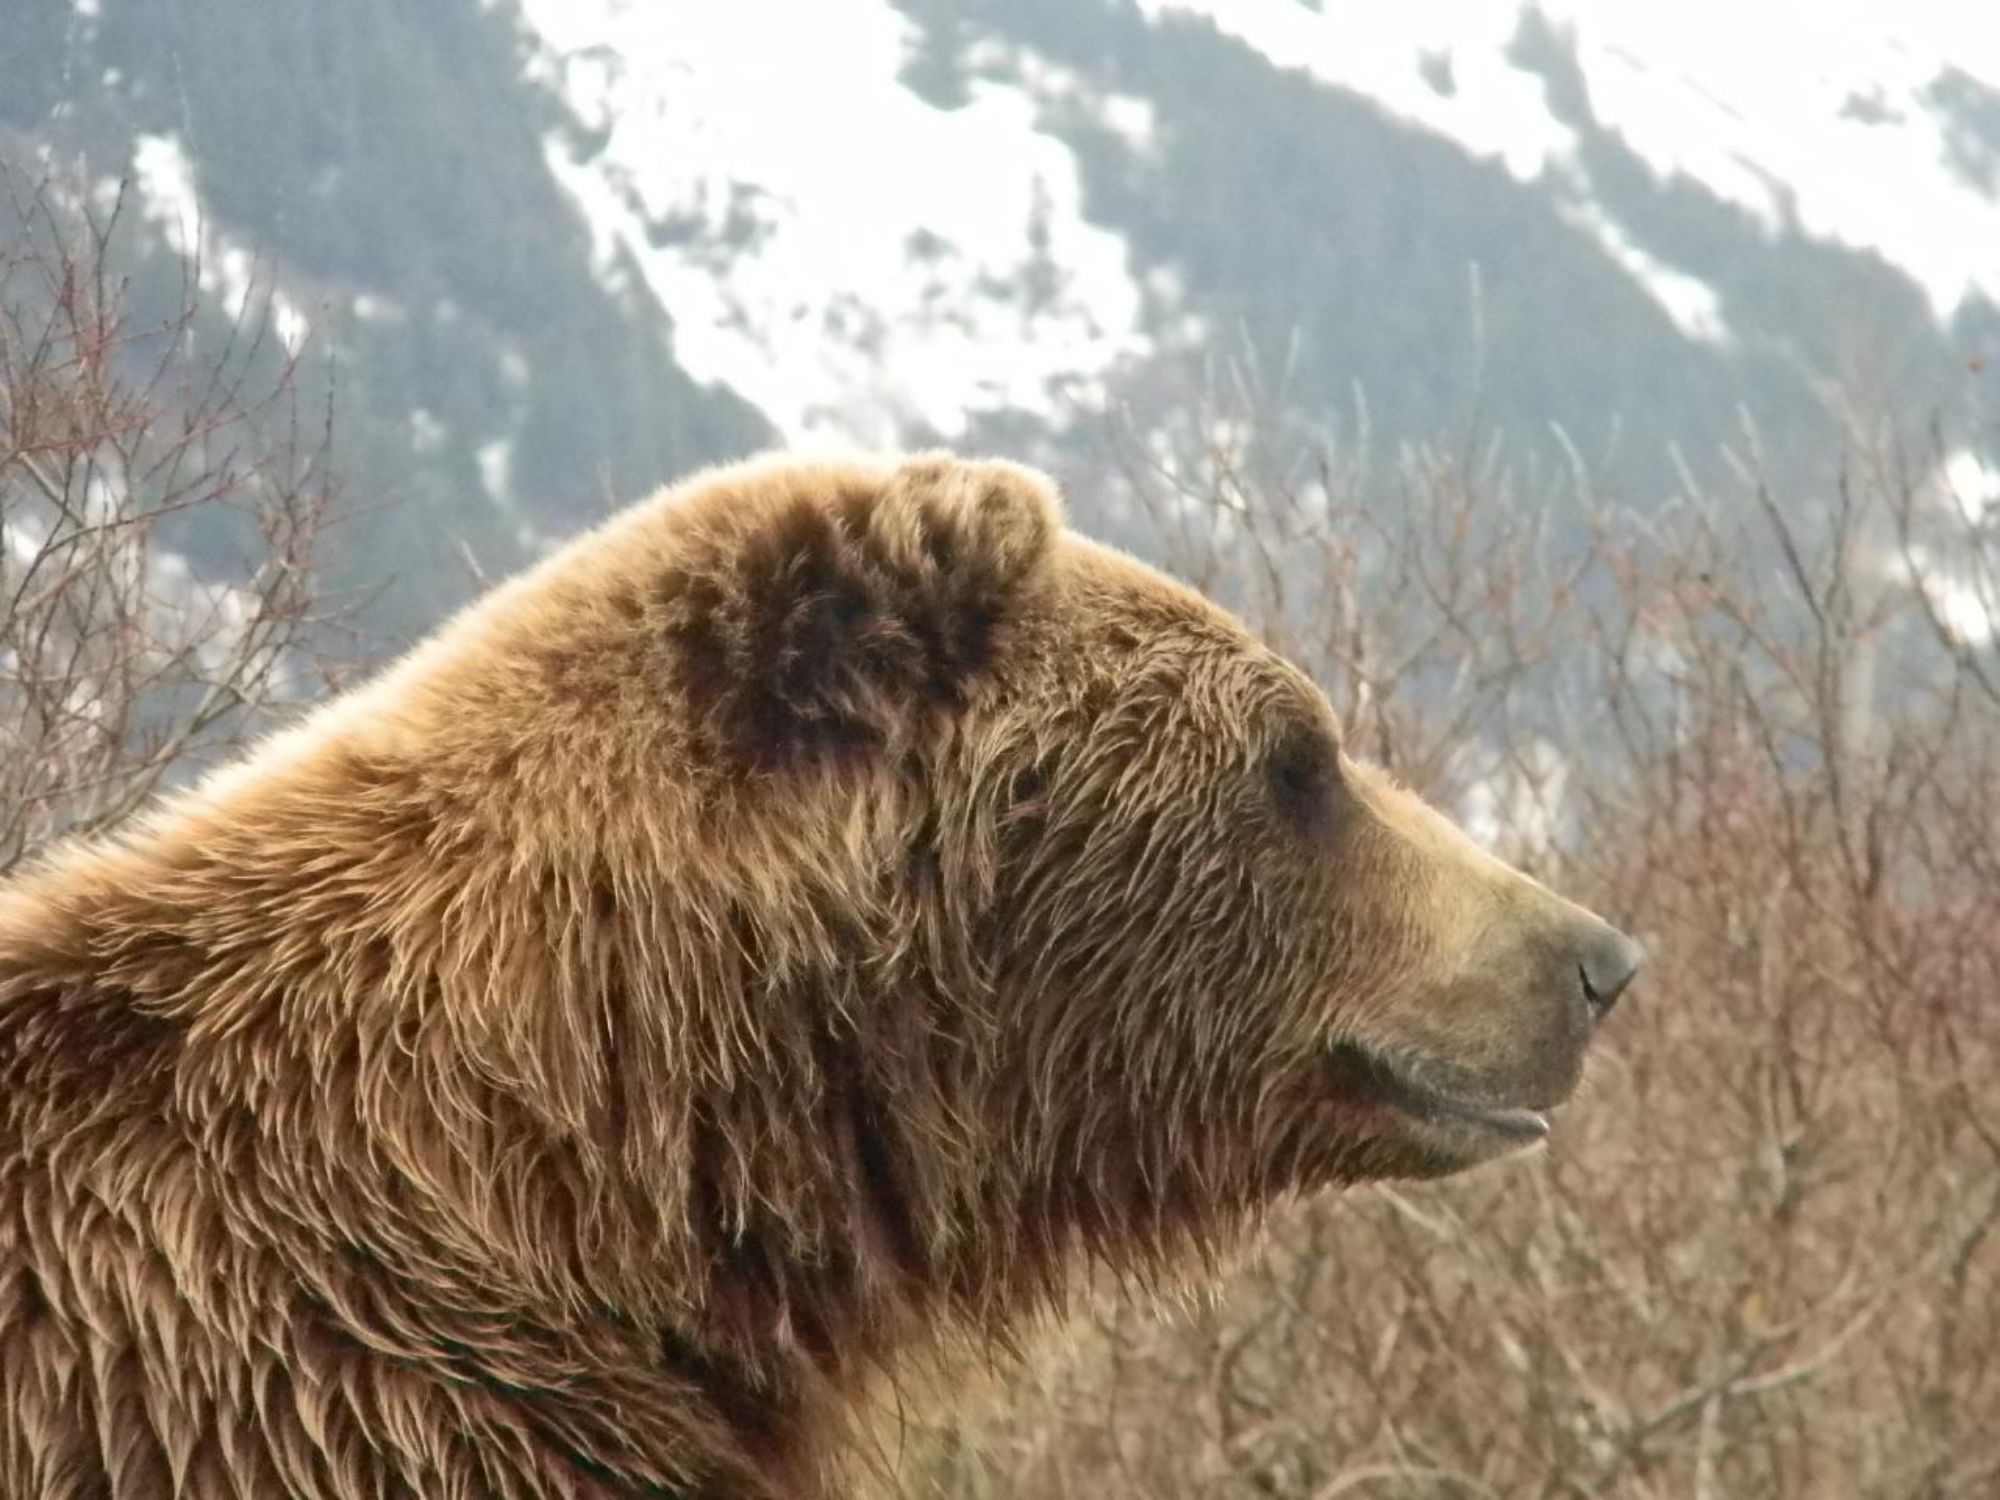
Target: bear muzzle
1457 1105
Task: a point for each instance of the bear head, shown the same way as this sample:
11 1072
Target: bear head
1087 933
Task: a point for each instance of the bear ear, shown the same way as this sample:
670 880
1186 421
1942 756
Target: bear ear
858 607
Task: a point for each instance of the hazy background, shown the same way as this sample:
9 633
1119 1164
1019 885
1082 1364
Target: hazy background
557 251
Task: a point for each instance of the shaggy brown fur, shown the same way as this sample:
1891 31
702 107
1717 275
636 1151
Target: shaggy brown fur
790 930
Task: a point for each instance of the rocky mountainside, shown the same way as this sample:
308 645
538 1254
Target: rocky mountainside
554 251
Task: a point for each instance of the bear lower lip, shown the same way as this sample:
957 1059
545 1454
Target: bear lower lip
1364 1074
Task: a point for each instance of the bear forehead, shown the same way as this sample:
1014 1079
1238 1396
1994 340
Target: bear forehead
1112 591
1096 613
1116 603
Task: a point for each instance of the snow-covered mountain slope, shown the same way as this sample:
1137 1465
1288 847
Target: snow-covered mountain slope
862 263
562 250
855 261
1872 126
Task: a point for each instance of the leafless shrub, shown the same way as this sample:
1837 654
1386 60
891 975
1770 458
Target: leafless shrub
160 496
1759 1258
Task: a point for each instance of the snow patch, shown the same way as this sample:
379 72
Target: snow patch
163 176
371 307
496 468
1132 119
1689 301
1972 485
856 262
1497 111
1954 571
1963 611
427 433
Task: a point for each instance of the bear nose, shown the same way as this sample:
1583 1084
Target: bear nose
1607 961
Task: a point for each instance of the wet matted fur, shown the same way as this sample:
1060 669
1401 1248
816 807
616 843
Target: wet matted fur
784 935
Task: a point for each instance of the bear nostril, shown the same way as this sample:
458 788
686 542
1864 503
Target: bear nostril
1609 962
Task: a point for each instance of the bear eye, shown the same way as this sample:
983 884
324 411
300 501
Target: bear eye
1303 771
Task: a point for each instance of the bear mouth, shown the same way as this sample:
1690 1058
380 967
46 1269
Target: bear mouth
1376 1079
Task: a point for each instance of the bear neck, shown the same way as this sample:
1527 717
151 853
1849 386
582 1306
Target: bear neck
565 1125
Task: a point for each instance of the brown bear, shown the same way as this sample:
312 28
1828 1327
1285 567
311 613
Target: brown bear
781 938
